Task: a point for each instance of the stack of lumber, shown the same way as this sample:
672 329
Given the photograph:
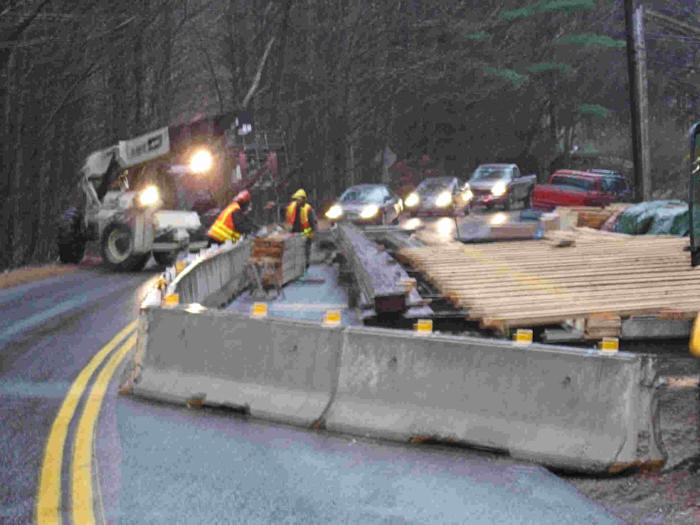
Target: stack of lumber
599 278
383 282
281 256
589 216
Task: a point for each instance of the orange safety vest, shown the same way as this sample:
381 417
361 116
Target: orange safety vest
223 228
303 219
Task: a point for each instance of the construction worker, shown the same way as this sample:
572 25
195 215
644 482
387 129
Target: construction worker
301 218
233 221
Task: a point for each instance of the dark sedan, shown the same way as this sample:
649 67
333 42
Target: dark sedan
439 196
367 204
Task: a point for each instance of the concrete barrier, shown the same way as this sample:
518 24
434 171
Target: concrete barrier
213 280
562 407
273 369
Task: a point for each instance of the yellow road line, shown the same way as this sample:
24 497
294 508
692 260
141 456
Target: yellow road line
48 505
81 471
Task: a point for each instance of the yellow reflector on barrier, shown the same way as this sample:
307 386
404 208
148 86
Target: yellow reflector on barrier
694 343
172 299
259 310
179 266
331 318
423 326
523 336
609 345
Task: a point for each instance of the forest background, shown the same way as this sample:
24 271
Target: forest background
440 84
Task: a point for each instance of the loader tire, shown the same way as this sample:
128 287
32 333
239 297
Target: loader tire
117 247
71 237
165 259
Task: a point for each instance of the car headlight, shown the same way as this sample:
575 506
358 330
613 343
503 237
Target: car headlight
412 200
369 211
499 188
334 211
201 161
467 195
149 196
444 199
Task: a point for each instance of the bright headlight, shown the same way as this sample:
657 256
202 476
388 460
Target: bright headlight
201 161
412 200
467 194
444 199
149 196
369 211
499 188
334 211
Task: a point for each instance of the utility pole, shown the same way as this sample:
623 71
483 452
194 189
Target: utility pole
639 100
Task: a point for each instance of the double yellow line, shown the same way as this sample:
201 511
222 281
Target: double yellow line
48 505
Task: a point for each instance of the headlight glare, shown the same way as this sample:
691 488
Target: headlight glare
369 211
201 161
149 196
412 200
334 211
444 199
499 188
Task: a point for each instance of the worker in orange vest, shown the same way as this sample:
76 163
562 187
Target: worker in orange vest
300 217
233 222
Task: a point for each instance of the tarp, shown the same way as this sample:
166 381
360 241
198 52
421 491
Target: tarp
668 217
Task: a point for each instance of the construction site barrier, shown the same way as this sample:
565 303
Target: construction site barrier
562 407
273 369
214 279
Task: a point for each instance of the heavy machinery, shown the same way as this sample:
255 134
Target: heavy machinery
140 194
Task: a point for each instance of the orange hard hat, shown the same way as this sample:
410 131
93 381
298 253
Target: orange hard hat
243 198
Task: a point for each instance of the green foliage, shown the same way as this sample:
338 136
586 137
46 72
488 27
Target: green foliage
594 109
509 74
564 5
523 12
592 39
543 67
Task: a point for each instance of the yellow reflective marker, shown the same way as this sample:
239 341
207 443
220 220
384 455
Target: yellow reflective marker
48 504
179 266
81 469
423 327
609 345
523 336
259 310
694 343
331 318
172 299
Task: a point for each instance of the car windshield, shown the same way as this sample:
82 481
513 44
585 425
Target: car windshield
434 185
580 183
490 173
364 194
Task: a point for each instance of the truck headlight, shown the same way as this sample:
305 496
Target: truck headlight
499 188
369 211
444 199
412 200
201 161
149 196
334 211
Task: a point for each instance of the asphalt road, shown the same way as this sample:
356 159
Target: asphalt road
142 462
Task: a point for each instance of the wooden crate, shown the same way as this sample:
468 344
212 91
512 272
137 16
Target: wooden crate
281 257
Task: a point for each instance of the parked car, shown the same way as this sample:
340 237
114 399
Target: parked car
500 184
615 183
367 204
572 188
439 196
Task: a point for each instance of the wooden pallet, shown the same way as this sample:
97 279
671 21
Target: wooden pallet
601 275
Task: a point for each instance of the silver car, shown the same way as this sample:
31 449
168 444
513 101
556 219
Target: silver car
367 204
